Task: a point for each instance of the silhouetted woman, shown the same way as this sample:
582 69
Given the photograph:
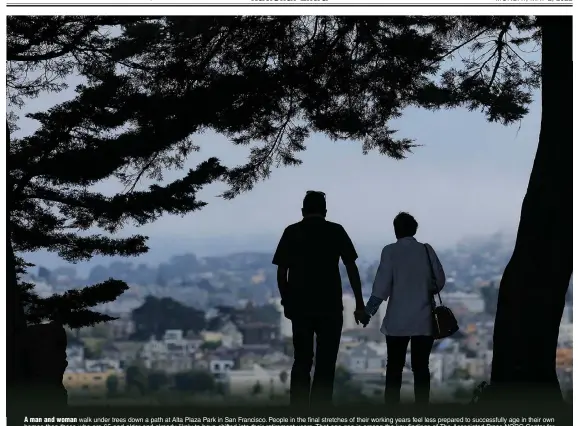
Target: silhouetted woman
404 278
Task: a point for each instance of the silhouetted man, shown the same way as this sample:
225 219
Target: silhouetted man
308 277
404 277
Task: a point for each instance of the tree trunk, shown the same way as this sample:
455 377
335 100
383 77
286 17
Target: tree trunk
15 318
534 284
15 321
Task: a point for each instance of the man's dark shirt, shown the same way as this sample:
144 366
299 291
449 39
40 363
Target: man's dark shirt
311 250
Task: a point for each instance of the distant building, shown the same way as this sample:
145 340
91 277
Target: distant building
75 356
487 357
273 358
364 335
231 338
565 334
126 351
285 330
476 342
102 365
567 315
91 383
347 343
247 359
452 357
564 358
348 313
436 367
211 337
173 336
219 366
172 354
123 327
435 364
365 357
111 351
473 302
255 334
475 367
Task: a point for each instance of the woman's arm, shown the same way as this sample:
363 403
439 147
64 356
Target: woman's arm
373 305
382 283
384 276
438 270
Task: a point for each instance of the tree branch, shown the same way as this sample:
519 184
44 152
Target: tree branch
500 46
88 28
453 50
141 173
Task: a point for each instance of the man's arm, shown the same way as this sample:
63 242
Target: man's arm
355 280
282 282
349 255
282 260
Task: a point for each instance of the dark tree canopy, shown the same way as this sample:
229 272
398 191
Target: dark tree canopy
151 84
155 316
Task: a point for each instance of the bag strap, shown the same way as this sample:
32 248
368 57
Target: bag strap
432 274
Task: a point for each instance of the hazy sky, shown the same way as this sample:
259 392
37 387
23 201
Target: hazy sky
467 178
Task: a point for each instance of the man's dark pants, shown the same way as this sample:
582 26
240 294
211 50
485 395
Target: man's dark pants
396 358
327 329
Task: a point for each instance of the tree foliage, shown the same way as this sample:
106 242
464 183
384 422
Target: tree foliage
342 376
72 308
210 345
112 385
198 381
155 316
151 84
136 378
156 380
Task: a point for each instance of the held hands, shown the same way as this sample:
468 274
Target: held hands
362 317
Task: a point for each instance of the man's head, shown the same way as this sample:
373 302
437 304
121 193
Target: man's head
314 204
405 225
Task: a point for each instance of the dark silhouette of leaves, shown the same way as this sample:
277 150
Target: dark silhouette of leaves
267 82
